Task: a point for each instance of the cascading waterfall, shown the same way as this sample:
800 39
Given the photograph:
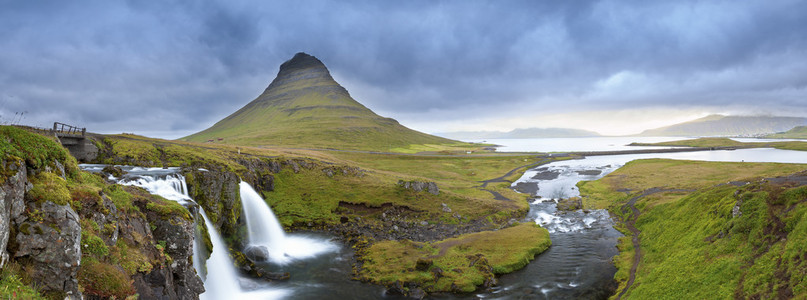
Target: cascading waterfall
221 280
265 230
263 227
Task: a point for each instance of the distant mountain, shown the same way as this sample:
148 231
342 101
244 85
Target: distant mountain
305 107
520 133
720 125
798 132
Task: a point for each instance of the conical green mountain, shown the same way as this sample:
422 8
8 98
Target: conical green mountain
305 107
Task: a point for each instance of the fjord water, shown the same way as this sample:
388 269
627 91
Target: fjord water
603 143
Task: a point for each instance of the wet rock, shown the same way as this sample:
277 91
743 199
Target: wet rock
115 171
53 246
526 187
546 174
396 288
570 204
181 280
589 172
217 191
417 293
257 253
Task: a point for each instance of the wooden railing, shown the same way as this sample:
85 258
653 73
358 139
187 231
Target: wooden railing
63 129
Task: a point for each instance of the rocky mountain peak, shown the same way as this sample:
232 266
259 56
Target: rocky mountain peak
301 61
302 70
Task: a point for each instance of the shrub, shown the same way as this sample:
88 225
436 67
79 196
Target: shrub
105 280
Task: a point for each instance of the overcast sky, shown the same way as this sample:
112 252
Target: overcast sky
171 68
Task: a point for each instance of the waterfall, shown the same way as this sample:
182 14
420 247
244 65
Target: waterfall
220 279
264 229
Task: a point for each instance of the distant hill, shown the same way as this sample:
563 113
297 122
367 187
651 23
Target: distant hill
720 125
305 107
798 132
520 133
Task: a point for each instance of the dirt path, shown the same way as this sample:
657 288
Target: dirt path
498 196
631 225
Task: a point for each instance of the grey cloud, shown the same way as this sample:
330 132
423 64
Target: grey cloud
182 65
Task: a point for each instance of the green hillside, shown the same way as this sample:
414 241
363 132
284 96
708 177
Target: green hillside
798 132
719 125
690 235
305 107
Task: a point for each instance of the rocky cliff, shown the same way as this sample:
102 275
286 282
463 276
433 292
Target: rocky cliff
70 234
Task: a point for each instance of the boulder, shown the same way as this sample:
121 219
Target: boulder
257 253
570 204
419 186
52 243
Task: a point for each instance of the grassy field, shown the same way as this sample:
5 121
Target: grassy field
693 245
727 142
458 264
639 175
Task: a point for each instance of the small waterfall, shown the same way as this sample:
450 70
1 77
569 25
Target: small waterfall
221 281
264 229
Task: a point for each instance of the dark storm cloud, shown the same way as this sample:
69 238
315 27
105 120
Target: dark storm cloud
152 66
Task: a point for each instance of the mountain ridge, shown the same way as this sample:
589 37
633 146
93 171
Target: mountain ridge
721 125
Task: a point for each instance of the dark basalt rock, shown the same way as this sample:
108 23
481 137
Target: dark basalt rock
257 253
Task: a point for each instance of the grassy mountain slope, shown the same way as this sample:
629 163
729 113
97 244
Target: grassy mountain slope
719 125
798 132
709 239
305 107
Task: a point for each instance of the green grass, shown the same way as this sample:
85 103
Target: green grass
692 245
15 285
727 142
37 151
694 248
639 175
466 261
